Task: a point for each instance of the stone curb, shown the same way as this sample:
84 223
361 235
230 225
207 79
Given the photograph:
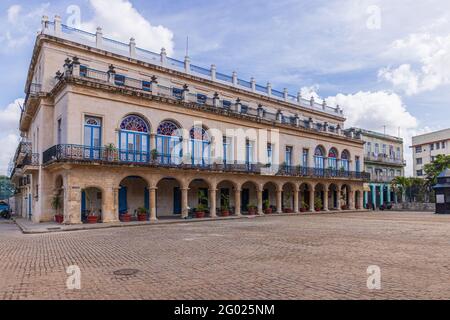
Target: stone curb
65 228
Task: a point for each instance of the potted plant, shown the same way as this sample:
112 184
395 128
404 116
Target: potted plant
92 217
200 211
125 216
110 152
142 214
287 208
225 209
56 205
304 207
318 204
154 155
267 208
251 209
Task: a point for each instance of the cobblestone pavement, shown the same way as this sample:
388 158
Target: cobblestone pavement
295 257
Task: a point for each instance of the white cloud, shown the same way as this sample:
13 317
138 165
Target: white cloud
431 54
374 110
13 13
121 21
9 119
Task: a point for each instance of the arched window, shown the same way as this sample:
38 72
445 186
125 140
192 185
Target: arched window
332 158
199 145
134 140
168 143
92 137
319 160
345 160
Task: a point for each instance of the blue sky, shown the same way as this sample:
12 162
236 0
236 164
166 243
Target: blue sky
387 64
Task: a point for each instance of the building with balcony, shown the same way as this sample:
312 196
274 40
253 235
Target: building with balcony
427 147
118 129
383 160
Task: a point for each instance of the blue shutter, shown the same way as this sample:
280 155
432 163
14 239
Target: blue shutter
123 206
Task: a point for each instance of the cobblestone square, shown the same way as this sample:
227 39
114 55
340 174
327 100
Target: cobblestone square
322 256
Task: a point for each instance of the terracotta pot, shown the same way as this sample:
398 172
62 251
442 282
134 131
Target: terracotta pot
142 217
225 213
287 210
252 211
318 209
125 217
268 211
199 214
92 219
59 218
302 209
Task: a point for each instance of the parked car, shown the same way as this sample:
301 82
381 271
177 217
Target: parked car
5 210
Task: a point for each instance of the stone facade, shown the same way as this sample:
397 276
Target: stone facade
96 130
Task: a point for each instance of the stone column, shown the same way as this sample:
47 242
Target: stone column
72 205
361 200
184 203
351 200
152 194
325 198
311 199
212 202
237 201
338 200
279 200
296 200
109 213
260 201
152 141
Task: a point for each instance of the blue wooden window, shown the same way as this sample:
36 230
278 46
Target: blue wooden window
119 80
168 143
248 152
226 104
146 85
92 137
288 156
200 146
177 93
134 140
319 161
201 98
83 71
244 109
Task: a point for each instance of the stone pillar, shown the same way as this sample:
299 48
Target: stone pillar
269 89
325 199
187 64
72 205
253 84
279 200
237 201
285 94
109 214
213 72
361 200
296 200
57 26
260 201
338 200
44 23
152 194
311 199
212 202
99 38
163 57
234 78
184 203
351 200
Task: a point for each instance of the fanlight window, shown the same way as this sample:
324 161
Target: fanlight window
198 133
319 152
333 153
134 123
93 121
168 128
345 155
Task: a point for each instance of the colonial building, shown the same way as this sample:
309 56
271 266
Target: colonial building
383 160
426 147
111 129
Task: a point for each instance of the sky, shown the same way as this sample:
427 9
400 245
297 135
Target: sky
386 63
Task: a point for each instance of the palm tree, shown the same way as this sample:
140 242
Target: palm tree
401 184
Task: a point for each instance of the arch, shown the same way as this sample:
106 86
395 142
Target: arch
287 197
92 203
333 196
345 160
345 196
333 153
199 133
199 197
135 123
333 160
134 139
169 128
345 155
319 161
199 145
133 195
319 151
249 196
319 196
168 197
168 142
305 189
225 197
269 197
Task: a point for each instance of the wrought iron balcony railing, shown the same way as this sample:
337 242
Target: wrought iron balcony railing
87 154
384 159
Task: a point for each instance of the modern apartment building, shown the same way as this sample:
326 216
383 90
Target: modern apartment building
426 147
383 160
111 129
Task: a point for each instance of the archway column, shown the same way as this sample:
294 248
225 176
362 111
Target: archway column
259 192
212 202
184 203
279 199
237 201
109 212
325 198
361 200
351 200
296 199
312 197
72 205
338 200
152 196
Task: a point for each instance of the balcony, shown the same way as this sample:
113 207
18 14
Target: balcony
380 178
85 155
383 158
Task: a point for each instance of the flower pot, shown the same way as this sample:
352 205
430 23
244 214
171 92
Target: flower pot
225 213
59 218
199 214
125 217
268 211
252 211
318 209
302 209
287 210
92 219
142 217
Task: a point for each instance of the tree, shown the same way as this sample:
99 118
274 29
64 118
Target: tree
433 169
6 188
415 188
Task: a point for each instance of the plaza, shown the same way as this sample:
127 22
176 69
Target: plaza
305 256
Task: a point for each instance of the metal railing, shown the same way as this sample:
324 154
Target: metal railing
87 154
383 158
